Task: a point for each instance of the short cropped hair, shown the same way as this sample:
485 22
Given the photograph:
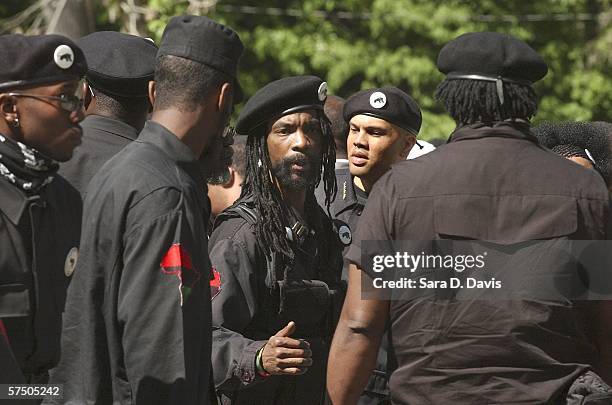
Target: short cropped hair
239 159
120 107
183 83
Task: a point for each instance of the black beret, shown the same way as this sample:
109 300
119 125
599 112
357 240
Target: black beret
387 103
119 64
492 55
38 60
203 40
282 97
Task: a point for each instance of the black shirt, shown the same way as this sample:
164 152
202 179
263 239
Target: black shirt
487 183
137 324
103 137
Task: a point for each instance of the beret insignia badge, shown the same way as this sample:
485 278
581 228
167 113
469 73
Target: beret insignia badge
378 99
63 56
71 261
322 92
344 233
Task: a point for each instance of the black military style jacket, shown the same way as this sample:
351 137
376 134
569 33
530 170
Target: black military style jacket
39 239
103 137
248 309
491 183
137 324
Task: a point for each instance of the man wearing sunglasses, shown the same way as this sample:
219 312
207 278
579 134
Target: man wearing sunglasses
40 109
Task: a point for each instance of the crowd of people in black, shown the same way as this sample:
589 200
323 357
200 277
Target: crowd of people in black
152 254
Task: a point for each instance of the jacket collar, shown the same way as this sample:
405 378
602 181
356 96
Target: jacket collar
110 125
504 129
156 134
345 197
15 202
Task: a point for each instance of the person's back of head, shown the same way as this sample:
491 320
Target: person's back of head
228 191
489 78
333 109
183 84
585 143
120 67
196 81
185 75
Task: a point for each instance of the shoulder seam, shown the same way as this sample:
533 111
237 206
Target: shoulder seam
160 188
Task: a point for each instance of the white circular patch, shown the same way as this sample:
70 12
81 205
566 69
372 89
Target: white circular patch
322 92
378 99
344 232
71 261
63 56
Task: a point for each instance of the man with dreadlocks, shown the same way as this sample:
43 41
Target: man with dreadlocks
490 182
277 262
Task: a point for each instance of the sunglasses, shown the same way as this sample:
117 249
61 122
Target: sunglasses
68 102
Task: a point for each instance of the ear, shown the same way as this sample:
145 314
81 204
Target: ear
8 109
152 92
89 98
226 98
409 142
232 179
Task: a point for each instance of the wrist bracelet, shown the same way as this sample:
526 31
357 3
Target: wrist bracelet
259 364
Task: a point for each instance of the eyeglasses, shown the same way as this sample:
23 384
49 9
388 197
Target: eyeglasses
68 102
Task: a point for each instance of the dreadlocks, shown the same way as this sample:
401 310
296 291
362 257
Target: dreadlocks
472 101
270 229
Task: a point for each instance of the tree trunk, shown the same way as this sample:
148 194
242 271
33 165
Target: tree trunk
71 18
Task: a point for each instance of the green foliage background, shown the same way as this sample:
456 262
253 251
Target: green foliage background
395 42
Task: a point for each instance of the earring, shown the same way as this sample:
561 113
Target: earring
15 123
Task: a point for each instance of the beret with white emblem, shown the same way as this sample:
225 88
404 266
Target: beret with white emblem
387 103
118 63
281 97
38 60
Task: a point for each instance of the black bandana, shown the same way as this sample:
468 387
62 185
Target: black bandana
25 167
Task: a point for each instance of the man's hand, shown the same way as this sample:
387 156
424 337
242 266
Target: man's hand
283 355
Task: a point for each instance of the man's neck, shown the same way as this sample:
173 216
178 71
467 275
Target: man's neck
182 125
136 122
295 199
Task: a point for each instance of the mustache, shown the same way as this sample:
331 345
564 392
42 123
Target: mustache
298 159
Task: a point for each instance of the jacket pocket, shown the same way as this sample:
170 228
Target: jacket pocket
505 218
14 300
